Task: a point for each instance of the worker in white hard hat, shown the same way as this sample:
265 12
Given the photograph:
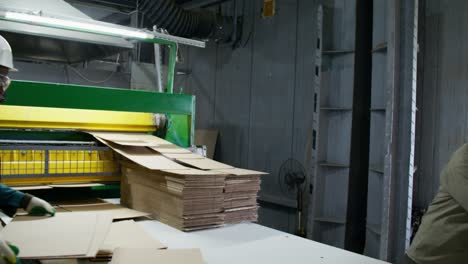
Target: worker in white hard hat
6 65
11 200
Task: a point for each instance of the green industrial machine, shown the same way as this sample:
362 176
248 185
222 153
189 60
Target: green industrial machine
41 139
179 108
42 125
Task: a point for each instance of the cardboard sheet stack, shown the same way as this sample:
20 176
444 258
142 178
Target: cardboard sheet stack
240 195
185 199
179 188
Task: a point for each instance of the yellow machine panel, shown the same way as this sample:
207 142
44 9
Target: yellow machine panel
23 164
55 165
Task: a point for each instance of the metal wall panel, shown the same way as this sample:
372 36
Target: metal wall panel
304 87
233 89
260 97
444 107
274 42
202 83
427 175
277 217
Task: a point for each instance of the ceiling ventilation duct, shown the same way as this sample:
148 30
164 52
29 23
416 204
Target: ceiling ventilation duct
30 40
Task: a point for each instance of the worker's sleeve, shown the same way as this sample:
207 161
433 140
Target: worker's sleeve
10 200
455 176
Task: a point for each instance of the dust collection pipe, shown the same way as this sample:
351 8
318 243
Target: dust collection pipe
177 21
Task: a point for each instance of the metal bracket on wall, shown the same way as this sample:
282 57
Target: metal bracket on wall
316 116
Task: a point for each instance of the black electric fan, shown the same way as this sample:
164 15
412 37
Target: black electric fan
292 178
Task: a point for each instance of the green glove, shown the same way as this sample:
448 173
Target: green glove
39 207
8 252
16 251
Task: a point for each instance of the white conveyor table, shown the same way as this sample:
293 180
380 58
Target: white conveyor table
252 243
246 243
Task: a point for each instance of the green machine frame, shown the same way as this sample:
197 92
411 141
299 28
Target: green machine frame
179 108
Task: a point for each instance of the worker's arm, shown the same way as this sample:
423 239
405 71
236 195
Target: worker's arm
455 176
11 200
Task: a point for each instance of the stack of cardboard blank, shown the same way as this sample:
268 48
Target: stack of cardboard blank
240 195
179 188
175 194
185 199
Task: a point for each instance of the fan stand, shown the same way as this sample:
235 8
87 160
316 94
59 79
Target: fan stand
300 231
293 176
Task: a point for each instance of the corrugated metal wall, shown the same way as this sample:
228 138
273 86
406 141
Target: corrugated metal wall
444 92
260 96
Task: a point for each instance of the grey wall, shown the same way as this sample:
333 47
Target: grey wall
443 93
260 97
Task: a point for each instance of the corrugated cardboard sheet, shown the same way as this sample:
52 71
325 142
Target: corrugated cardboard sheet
127 234
155 159
147 256
66 235
207 138
116 212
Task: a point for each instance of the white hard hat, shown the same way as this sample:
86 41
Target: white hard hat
6 56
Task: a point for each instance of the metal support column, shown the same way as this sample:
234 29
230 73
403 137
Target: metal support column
158 64
400 128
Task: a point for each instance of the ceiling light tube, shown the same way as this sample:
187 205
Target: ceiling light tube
78 26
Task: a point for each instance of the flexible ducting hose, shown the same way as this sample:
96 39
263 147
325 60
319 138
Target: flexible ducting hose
184 23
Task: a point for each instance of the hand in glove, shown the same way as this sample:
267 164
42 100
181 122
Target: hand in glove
8 252
38 206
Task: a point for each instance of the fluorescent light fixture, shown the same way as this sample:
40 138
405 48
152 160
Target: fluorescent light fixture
78 26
